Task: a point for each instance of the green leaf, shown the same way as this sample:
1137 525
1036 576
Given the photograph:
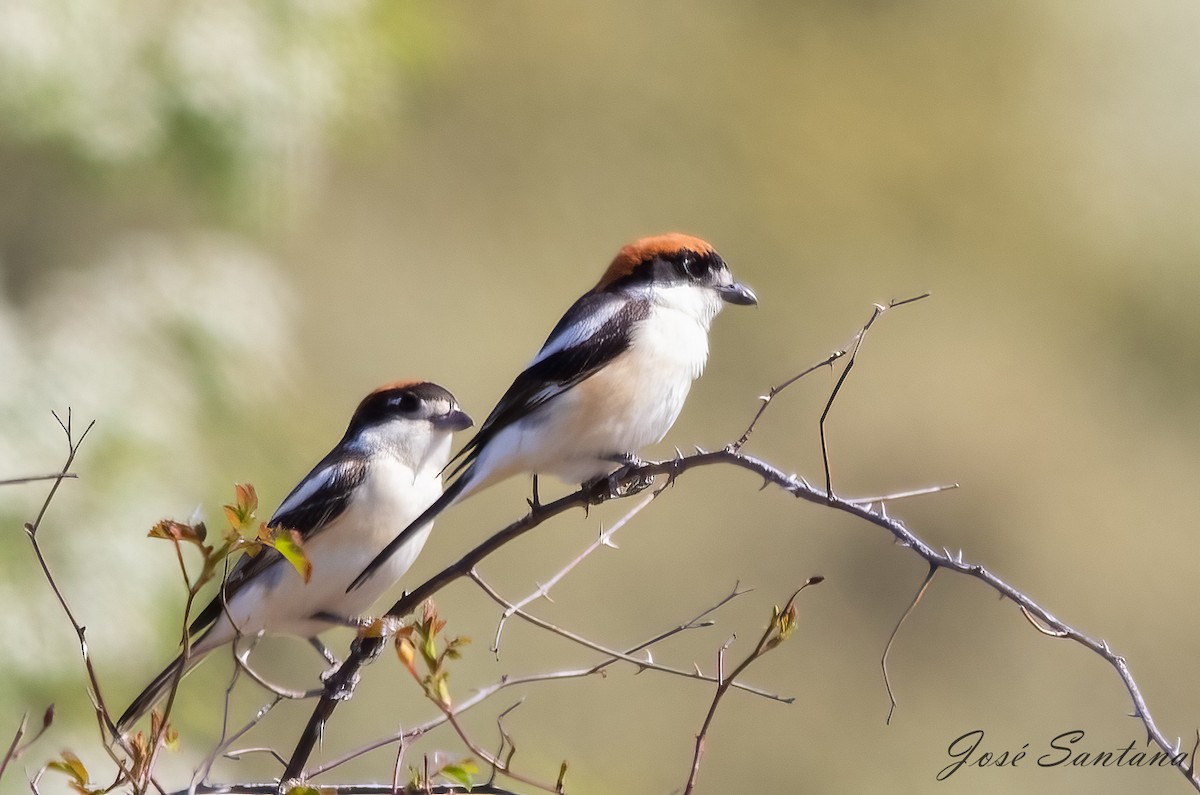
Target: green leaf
72 766
290 545
462 772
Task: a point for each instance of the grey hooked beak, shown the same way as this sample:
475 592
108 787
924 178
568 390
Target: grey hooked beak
736 293
453 421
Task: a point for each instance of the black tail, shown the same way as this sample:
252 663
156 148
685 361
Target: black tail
440 504
155 691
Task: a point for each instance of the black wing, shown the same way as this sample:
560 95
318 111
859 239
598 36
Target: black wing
318 499
595 330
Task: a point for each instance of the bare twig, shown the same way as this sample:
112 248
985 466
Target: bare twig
543 591
11 753
31 530
227 739
765 400
506 682
903 495
853 348
506 741
646 664
35 478
887 680
777 631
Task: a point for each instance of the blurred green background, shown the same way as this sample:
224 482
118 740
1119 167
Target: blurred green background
222 223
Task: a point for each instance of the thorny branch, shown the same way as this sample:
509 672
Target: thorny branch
873 510
698 621
604 540
543 591
647 664
337 687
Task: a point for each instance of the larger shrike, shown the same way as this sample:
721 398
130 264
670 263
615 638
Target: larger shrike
383 473
610 379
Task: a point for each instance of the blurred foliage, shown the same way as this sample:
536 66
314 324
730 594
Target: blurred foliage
221 223
228 92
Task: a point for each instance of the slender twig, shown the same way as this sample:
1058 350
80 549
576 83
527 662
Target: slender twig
11 753
497 765
17 748
543 590
506 741
776 631
773 392
237 754
903 495
854 347
883 660
401 750
36 478
241 660
103 720
227 739
485 693
646 664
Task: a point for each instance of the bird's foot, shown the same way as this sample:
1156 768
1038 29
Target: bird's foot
535 501
626 480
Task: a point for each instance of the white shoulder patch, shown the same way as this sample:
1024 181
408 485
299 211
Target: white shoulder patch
578 332
312 484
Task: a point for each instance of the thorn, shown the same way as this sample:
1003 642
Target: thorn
764 485
700 450
765 398
697 667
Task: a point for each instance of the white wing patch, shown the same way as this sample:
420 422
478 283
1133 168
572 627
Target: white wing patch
314 483
578 332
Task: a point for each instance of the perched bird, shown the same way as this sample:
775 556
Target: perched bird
383 473
610 379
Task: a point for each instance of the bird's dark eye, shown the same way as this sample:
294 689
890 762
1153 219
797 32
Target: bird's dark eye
690 265
407 403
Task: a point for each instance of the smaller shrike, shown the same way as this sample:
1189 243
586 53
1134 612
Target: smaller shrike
383 473
611 378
